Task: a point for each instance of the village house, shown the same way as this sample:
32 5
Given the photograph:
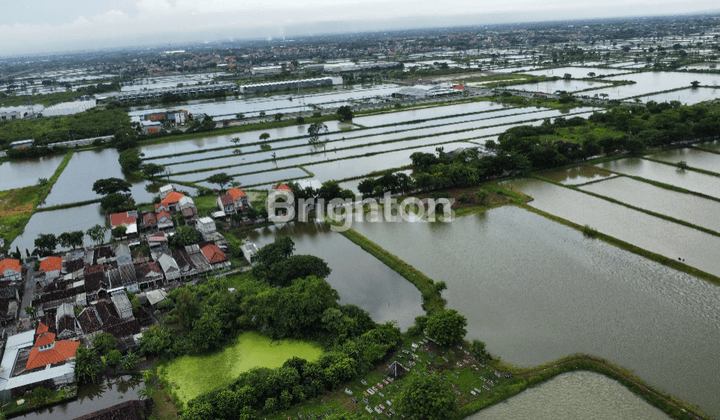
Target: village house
169 267
226 204
10 270
165 190
250 251
149 274
164 220
65 321
122 304
149 221
187 269
51 266
215 257
171 201
205 225
35 358
127 219
240 200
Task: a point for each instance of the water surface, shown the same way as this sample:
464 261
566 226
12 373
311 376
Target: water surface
536 291
359 278
571 396
24 173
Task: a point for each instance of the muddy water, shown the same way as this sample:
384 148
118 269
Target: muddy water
693 209
571 396
535 291
698 249
577 175
359 278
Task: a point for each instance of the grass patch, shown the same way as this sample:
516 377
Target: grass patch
190 376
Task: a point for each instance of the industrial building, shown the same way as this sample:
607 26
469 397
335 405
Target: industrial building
426 91
20 112
286 85
182 91
176 117
68 108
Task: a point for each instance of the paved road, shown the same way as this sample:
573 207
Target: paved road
28 295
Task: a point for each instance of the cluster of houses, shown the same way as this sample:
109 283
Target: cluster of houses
83 293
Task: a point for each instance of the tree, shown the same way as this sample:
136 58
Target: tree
130 160
29 310
315 130
567 76
695 84
111 185
129 362
295 267
221 179
264 136
152 170
119 231
345 113
104 343
46 243
591 74
97 234
279 116
426 398
72 239
447 327
477 348
86 365
185 235
115 202
235 140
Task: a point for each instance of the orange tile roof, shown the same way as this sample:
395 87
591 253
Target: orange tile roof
51 264
119 219
62 351
235 193
42 328
11 264
213 254
171 198
282 187
164 214
44 339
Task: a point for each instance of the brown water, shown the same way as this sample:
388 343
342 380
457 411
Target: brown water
577 175
571 396
535 291
689 180
23 173
59 221
360 279
690 208
91 398
698 249
695 158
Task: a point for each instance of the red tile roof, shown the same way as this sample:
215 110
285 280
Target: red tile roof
149 219
164 214
44 339
62 351
119 219
213 254
226 200
236 193
51 264
282 187
11 264
171 198
41 329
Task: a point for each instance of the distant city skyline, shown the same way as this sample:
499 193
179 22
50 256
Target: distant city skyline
38 26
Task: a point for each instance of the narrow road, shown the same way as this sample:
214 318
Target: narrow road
28 296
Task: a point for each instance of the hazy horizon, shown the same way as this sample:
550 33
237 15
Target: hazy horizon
79 25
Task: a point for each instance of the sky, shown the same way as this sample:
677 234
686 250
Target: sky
37 26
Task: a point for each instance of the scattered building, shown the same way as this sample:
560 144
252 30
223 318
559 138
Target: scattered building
250 252
10 270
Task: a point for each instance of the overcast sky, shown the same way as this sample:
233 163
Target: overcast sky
31 26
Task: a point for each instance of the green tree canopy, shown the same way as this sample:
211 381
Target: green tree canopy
152 170
116 202
447 327
315 130
72 239
221 179
46 243
426 398
97 234
111 185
